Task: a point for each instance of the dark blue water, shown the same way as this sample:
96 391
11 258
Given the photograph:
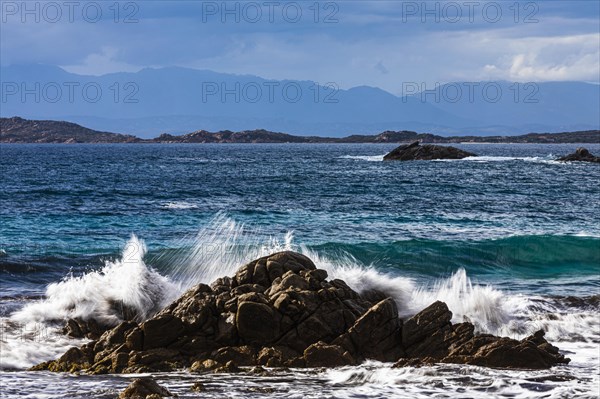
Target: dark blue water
511 216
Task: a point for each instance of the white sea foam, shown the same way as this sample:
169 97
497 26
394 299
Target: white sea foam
23 345
179 205
101 295
550 159
370 158
460 381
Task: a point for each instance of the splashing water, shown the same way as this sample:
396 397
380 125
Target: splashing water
101 295
222 247
360 278
218 250
486 307
482 305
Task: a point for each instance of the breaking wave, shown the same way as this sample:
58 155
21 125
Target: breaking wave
224 245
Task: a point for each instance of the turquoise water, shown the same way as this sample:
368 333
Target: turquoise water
511 213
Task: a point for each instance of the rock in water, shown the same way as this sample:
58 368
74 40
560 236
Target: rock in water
144 388
281 311
581 155
415 151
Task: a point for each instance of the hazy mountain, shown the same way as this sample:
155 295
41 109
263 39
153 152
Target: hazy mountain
178 100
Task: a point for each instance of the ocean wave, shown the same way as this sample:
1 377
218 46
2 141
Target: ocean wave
549 159
369 158
224 245
450 380
519 256
128 282
179 205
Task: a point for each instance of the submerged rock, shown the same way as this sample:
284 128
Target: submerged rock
581 155
415 151
281 311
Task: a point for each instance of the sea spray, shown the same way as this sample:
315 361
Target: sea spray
217 250
101 295
220 248
365 278
33 334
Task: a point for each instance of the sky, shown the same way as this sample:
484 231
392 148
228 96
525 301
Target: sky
350 43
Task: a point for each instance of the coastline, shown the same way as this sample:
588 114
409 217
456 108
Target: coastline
19 130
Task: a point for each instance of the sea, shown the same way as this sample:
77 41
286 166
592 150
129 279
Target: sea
509 239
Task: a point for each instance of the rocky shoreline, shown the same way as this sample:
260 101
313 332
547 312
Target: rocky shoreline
19 130
281 311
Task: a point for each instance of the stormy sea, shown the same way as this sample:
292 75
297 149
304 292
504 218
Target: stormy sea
508 239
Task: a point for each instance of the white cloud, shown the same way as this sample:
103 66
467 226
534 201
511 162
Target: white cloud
563 58
102 63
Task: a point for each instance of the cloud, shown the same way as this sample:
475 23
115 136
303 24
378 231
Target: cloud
370 45
102 63
549 59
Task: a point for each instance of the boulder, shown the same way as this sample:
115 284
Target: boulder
161 331
323 355
79 328
256 323
422 325
144 388
375 335
281 311
415 151
533 352
580 155
240 355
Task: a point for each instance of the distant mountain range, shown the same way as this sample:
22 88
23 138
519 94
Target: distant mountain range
179 100
19 130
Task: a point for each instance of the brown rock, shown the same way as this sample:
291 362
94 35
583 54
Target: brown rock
204 365
280 311
580 155
277 356
79 328
415 151
240 355
377 334
256 323
424 323
144 388
229 367
161 331
323 355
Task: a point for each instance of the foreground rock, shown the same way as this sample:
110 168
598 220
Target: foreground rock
581 155
415 151
430 338
145 388
281 311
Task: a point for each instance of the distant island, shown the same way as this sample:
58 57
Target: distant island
19 130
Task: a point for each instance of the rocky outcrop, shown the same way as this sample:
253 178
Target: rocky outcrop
429 337
580 155
145 388
415 151
281 311
19 130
